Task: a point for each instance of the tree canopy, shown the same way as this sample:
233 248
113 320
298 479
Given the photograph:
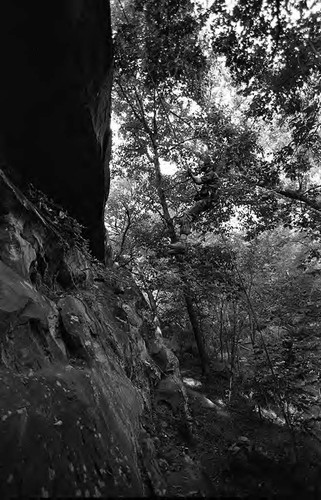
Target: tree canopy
215 204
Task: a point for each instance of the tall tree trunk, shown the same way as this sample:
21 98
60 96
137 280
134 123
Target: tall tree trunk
186 286
196 330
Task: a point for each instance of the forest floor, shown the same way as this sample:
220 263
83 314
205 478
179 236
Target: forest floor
231 451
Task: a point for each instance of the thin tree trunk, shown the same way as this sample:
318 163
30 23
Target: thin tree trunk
186 286
233 352
197 332
221 332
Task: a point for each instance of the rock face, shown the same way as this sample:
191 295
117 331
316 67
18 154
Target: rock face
82 364
77 376
56 75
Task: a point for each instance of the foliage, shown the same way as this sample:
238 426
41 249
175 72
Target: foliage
158 43
273 52
249 107
272 48
63 226
281 299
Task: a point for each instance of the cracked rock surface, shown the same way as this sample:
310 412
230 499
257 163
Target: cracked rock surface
76 368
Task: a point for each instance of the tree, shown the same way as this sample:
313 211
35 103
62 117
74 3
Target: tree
273 52
167 57
171 113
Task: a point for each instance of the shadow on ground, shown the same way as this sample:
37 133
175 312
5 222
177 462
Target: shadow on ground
237 453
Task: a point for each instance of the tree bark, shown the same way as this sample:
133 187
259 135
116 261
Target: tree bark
186 286
196 330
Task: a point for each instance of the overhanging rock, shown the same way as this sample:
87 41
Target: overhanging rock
56 76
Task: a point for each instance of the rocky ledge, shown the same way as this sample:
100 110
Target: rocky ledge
82 363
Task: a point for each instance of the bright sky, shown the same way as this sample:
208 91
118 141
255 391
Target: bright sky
167 168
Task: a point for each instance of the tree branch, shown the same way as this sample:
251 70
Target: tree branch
125 232
299 196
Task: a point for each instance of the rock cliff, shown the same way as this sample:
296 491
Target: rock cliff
78 378
78 382
56 76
